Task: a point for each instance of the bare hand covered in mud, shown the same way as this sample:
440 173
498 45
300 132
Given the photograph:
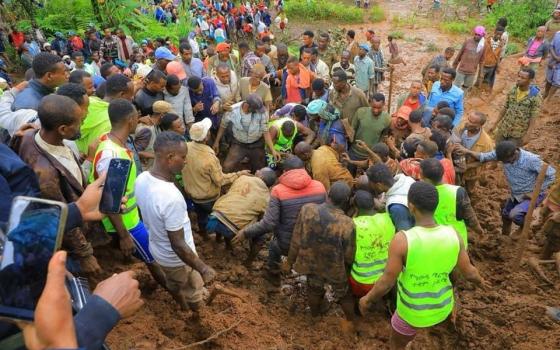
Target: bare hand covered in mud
198 107
363 306
361 145
208 275
345 157
122 292
215 108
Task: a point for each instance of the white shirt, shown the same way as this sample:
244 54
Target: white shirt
163 209
64 155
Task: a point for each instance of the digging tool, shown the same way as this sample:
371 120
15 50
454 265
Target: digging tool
390 89
529 217
534 265
220 289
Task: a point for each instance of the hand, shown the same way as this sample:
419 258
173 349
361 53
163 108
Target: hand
278 82
198 107
239 237
345 157
244 172
24 128
361 145
277 156
226 107
122 292
215 108
555 217
363 306
127 245
460 150
391 142
208 275
53 326
485 285
88 203
89 265
216 147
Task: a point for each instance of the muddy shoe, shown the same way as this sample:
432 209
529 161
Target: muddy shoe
553 312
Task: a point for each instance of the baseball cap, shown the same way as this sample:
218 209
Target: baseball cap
255 103
162 107
364 47
480 30
65 57
163 53
198 131
45 45
176 68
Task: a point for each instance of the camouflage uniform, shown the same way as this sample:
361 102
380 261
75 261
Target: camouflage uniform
329 56
518 114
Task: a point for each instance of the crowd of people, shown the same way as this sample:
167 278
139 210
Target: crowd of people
300 153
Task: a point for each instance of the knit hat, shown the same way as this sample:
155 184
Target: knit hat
162 107
198 131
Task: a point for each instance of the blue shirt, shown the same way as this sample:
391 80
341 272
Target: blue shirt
195 68
336 130
209 95
454 96
364 72
522 174
31 96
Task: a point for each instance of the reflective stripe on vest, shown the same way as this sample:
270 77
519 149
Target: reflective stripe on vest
373 236
130 215
425 291
446 211
283 144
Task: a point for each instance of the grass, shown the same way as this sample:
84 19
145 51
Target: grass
432 47
402 21
512 49
459 27
377 14
314 10
397 34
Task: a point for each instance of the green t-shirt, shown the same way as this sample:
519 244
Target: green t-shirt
96 123
368 128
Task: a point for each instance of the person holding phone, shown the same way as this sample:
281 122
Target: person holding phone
126 226
165 212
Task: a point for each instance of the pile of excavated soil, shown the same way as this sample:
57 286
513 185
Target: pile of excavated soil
508 316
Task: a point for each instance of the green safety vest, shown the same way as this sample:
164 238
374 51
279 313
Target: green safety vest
283 144
130 215
425 293
446 211
373 236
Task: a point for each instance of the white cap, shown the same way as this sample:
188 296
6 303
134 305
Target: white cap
199 130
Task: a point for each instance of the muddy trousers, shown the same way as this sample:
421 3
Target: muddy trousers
316 296
275 253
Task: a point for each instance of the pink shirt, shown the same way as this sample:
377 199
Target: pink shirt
534 47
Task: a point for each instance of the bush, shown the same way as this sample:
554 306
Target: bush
397 34
313 10
460 27
523 16
377 14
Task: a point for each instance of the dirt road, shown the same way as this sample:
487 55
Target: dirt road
510 316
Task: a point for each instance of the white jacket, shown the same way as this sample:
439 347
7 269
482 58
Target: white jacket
398 193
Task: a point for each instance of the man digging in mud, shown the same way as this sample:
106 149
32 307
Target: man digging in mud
521 169
421 260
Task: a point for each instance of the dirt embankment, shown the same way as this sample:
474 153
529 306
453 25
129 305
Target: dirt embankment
509 316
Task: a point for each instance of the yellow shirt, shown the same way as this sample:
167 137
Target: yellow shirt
202 174
521 94
327 169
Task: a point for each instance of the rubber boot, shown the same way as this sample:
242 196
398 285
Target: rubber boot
254 249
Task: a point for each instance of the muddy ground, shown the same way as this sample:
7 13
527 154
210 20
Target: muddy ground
509 316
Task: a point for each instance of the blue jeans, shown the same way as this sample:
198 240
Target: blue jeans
400 215
215 225
202 211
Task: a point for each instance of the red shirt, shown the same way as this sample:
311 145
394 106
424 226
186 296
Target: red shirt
411 167
413 106
17 39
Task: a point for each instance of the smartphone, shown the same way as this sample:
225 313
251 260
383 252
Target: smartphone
115 186
34 233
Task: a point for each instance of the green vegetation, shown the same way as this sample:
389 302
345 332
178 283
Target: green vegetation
512 48
76 15
459 27
523 16
313 10
432 47
397 34
377 14
403 21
